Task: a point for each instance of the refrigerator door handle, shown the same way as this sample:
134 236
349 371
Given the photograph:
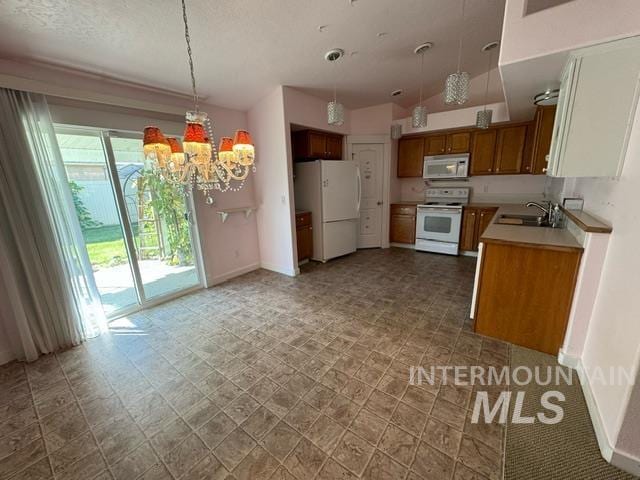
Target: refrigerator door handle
359 180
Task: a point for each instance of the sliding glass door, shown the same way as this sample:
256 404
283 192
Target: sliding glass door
137 228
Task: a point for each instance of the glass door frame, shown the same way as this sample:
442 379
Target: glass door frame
105 136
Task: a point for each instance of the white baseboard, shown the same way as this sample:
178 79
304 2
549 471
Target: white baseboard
280 269
617 458
568 360
606 449
234 273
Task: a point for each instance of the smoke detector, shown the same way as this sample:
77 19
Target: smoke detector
334 54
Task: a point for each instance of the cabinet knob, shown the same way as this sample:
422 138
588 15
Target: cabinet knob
489 170
473 214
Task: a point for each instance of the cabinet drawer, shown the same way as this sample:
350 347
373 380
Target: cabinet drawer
397 209
303 219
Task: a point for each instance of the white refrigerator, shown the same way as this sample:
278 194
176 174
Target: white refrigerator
331 191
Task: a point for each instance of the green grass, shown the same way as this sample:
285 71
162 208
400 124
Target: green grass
105 245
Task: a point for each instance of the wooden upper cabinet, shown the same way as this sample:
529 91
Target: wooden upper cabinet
410 156
483 152
442 144
313 144
510 149
468 239
435 145
459 142
543 131
334 147
317 144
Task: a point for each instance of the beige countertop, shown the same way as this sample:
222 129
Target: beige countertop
545 237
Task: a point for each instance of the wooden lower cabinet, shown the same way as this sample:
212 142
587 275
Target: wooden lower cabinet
524 294
475 221
402 227
304 235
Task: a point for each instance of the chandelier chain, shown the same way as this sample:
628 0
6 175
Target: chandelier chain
187 38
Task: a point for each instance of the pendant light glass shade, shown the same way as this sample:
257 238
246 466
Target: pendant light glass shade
483 118
456 89
335 113
419 117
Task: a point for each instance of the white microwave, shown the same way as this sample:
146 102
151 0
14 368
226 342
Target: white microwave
446 166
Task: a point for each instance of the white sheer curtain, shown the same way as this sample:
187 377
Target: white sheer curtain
53 299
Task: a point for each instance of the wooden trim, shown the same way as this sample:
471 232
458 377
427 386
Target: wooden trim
586 222
558 248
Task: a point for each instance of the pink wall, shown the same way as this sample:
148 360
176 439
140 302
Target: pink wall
273 188
566 27
613 338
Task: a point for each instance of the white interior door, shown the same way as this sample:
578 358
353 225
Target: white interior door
340 190
369 158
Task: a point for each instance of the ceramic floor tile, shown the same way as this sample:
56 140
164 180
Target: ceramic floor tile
234 448
368 426
383 467
432 464
305 460
398 444
353 452
281 440
258 465
325 433
260 422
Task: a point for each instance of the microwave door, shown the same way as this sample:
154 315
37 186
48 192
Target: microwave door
440 169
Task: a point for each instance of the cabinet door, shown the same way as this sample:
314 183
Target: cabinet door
483 151
435 145
510 149
304 240
334 147
485 219
459 142
402 229
468 237
544 120
410 157
317 145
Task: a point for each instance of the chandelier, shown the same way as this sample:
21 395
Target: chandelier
196 163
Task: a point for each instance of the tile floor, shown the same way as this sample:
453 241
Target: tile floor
266 377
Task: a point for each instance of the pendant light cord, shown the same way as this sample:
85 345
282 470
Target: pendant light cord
486 90
335 81
460 38
421 76
187 38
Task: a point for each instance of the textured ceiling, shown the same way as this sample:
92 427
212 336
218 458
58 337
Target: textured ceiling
244 48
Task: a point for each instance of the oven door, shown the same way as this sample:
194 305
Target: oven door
439 224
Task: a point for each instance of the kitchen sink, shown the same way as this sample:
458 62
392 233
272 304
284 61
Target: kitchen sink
523 220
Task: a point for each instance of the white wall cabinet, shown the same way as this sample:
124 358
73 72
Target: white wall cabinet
596 105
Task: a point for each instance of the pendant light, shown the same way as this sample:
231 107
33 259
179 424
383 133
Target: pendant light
335 110
456 89
419 114
483 117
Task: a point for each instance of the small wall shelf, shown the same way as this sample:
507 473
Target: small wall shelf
224 214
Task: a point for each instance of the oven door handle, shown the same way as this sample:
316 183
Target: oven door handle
439 210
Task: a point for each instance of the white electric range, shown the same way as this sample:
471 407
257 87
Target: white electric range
439 219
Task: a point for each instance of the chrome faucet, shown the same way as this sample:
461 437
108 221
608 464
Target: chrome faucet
551 212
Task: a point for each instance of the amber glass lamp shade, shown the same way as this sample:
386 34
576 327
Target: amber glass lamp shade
177 155
225 151
243 147
194 132
155 146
